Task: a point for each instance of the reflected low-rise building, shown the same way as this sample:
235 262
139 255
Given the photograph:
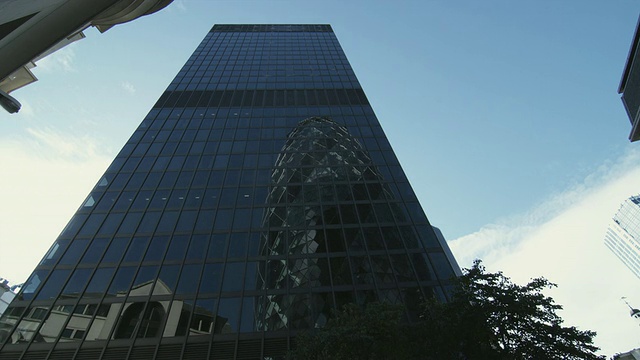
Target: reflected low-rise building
7 293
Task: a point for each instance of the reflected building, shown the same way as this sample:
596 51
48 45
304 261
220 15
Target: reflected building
326 205
258 195
7 293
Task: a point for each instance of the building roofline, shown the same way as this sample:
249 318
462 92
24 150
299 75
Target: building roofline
272 28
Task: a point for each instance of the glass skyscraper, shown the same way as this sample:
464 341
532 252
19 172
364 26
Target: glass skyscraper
257 195
623 235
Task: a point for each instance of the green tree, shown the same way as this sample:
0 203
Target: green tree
488 317
515 321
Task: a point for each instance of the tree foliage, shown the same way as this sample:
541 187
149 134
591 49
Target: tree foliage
488 317
519 321
355 333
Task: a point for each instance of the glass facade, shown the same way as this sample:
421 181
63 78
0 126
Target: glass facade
623 235
258 194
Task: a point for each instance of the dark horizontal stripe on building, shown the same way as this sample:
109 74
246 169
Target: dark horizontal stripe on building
262 98
271 28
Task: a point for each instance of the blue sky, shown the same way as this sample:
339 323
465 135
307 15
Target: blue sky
504 115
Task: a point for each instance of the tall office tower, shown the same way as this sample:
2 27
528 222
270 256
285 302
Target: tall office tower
623 235
257 195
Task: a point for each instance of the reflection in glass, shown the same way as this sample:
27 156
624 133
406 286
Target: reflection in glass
74 252
145 319
189 279
122 281
144 281
54 253
319 153
157 248
211 279
8 320
233 276
115 250
228 313
94 253
167 279
76 328
99 282
203 318
177 247
29 324
30 287
53 285
76 283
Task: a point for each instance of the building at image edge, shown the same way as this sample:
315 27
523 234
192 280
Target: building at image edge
623 234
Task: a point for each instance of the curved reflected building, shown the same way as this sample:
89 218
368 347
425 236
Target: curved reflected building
258 195
328 210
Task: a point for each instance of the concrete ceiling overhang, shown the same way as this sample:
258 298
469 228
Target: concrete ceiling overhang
55 24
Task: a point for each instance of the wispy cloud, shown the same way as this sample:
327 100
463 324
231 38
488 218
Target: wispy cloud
179 5
128 87
562 239
54 144
46 175
61 60
27 110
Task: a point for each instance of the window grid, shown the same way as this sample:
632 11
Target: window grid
198 193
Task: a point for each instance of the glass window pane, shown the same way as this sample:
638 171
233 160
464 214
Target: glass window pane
115 250
155 252
197 247
26 329
177 248
203 318
111 224
168 221
248 320
53 324
130 223
167 280
95 251
99 282
54 252
76 249
144 281
53 285
217 246
91 225
233 276
189 279
122 281
34 282
211 279
228 312
136 249
441 265
76 283
423 267
237 245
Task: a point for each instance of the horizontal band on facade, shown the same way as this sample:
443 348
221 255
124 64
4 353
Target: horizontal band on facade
262 98
271 28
